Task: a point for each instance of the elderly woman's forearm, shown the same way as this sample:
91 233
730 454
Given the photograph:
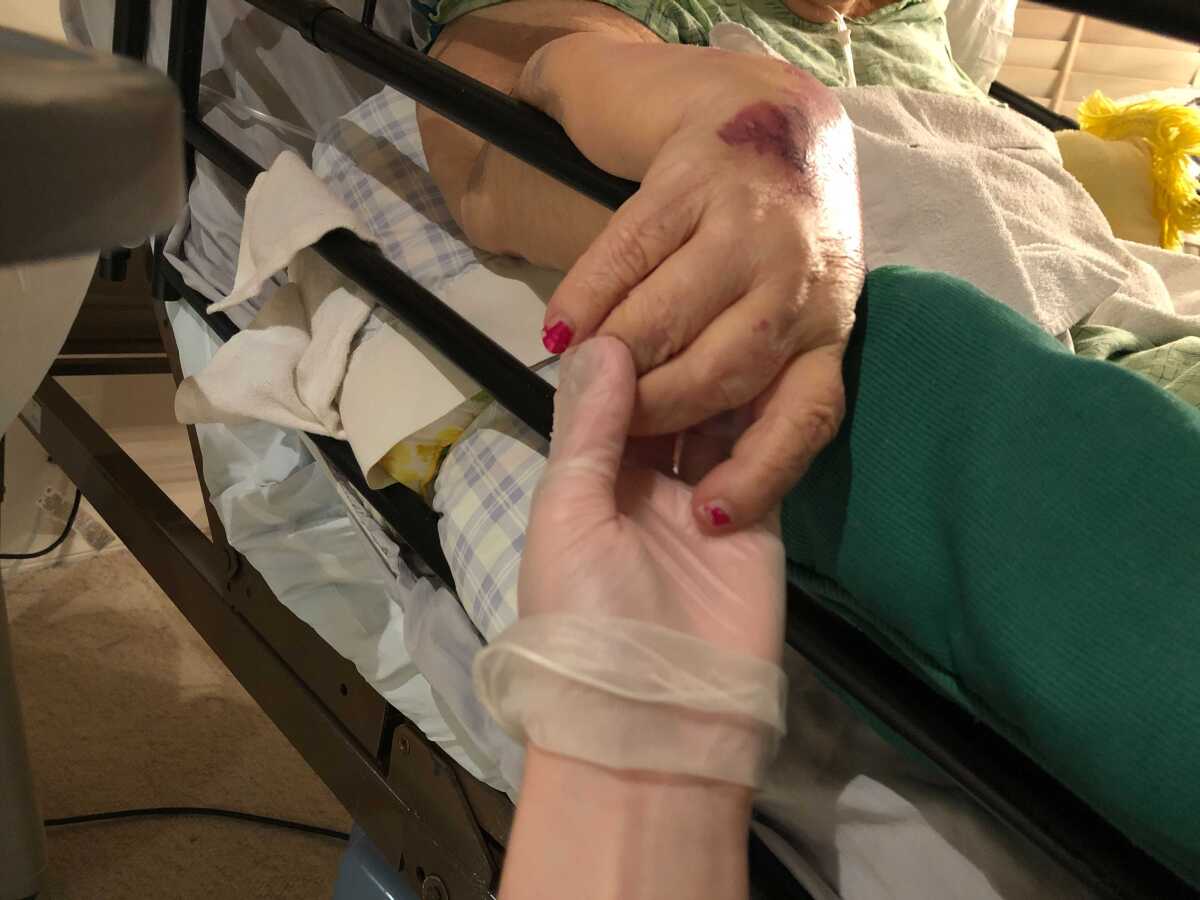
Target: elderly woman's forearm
530 214
507 206
620 101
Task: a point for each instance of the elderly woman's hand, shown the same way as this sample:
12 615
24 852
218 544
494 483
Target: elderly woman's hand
732 274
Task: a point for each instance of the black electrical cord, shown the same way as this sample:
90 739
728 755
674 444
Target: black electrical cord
66 532
211 811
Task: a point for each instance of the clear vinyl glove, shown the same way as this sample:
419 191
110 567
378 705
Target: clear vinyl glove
642 642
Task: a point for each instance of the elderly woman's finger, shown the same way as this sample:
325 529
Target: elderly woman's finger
800 415
665 312
728 365
649 227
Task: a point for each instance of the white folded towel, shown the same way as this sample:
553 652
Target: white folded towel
287 208
1161 300
288 365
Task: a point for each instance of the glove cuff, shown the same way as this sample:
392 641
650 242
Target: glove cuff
628 694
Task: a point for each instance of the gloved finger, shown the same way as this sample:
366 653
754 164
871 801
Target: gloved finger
799 415
663 314
651 225
591 423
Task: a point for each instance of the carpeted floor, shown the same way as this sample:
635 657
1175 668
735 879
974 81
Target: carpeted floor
125 706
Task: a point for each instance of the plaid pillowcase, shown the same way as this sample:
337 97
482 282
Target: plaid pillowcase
484 493
373 159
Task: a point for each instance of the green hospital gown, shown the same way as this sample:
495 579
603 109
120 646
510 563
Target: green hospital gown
1174 366
904 44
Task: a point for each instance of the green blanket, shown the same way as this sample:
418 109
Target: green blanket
1022 527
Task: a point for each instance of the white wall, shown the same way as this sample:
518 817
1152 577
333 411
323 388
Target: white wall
1115 59
37 16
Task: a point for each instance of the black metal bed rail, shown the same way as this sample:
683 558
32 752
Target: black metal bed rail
131 28
1002 779
1031 109
509 124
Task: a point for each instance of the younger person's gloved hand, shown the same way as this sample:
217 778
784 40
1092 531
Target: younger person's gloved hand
642 642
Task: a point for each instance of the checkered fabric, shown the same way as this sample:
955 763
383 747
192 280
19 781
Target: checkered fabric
484 493
373 158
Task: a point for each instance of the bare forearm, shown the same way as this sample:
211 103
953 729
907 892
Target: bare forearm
620 98
510 207
590 833
494 45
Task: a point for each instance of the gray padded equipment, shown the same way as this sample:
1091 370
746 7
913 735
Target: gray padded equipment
92 150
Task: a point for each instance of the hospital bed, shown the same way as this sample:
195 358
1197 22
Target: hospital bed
427 814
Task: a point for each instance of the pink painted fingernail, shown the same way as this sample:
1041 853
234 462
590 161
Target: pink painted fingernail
717 513
557 337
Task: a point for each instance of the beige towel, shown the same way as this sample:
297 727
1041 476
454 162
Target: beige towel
287 208
287 367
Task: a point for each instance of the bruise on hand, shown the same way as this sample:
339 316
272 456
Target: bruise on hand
773 130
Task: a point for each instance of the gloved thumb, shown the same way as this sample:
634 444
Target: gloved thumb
592 411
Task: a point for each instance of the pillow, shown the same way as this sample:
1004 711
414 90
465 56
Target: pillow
1119 177
980 32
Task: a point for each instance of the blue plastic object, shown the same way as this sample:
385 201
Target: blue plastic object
364 874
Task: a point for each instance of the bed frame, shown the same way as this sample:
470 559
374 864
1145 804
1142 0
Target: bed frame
428 817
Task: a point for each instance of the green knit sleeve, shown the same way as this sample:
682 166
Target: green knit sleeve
1021 526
